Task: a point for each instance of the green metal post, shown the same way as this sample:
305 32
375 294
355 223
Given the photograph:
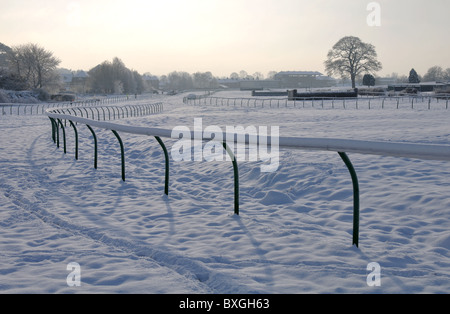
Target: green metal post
236 178
57 134
95 146
76 139
64 135
122 153
53 129
166 155
355 197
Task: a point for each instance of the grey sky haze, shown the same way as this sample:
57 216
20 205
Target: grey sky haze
225 36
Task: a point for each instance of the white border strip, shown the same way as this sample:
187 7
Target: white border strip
406 150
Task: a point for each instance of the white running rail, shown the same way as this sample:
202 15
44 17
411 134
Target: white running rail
341 146
406 150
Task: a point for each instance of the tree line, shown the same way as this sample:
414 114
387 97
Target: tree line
115 78
434 74
30 66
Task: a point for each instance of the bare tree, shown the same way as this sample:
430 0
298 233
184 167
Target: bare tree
180 80
243 75
204 80
435 73
101 78
4 50
35 64
115 77
258 76
447 74
351 57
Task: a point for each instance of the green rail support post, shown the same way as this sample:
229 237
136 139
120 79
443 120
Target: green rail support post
122 153
53 129
76 138
236 178
64 135
95 146
350 167
57 133
166 155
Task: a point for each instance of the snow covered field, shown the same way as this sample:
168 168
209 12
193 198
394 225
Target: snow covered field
293 234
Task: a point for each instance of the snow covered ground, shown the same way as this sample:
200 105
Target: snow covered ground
293 234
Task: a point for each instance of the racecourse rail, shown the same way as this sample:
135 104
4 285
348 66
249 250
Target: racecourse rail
39 108
77 116
360 102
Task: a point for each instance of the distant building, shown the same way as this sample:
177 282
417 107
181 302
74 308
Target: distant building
304 79
282 80
73 81
259 84
442 87
79 81
229 83
383 81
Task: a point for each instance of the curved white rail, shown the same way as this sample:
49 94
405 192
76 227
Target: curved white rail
406 150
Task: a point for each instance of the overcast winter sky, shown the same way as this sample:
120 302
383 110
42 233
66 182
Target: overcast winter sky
225 36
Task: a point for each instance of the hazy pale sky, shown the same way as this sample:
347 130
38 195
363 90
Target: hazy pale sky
225 36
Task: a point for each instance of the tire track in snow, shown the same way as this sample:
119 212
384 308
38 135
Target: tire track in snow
36 204
209 281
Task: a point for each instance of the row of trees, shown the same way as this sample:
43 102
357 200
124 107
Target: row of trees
115 78
243 75
31 66
182 80
433 74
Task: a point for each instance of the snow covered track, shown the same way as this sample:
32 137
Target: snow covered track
292 235
341 146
